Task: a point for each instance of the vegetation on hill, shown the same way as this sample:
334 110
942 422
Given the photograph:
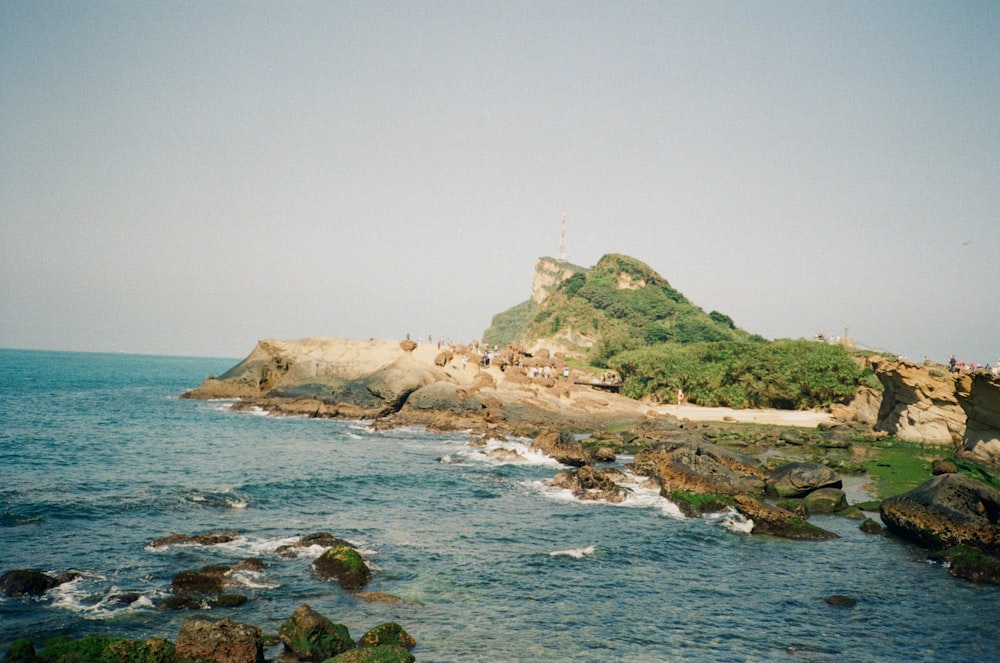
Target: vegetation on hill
784 374
624 316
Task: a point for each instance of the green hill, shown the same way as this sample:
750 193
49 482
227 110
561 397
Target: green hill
618 304
621 314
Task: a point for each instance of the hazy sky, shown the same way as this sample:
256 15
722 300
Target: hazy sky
190 177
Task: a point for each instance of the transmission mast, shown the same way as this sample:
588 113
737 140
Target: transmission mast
562 238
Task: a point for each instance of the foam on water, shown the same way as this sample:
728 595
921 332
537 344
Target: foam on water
578 553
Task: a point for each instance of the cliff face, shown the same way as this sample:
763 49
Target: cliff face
932 406
549 273
979 396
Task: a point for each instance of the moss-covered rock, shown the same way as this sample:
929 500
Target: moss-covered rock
344 564
970 563
21 651
694 505
312 637
825 500
773 521
389 633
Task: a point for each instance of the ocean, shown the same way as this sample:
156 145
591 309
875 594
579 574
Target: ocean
99 457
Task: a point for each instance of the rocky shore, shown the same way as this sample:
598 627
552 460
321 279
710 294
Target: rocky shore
773 483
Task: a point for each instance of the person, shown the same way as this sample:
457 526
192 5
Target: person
951 364
465 360
680 397
566 371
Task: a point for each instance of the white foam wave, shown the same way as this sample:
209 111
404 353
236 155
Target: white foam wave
252 579
735 521
496 452
75 596
639 496
578 553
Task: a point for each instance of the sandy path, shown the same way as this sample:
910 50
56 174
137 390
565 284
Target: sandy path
802 418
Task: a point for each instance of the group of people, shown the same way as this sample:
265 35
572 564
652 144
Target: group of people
957 366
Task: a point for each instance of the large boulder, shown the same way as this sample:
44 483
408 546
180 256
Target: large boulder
694 465
946 510
775 521
562 447
310 636
222 641
800 479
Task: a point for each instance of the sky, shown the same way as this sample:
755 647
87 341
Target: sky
187 178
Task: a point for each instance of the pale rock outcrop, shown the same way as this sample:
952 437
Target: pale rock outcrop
918 405
549 273
223 641
979 396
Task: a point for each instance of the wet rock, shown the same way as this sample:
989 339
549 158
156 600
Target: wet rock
197 583
562 447
800 479
222 641
697 466
774 521
946 510
345 565
26 582
310 636
210 538
825 500
970 563
323 539
587 483
869 526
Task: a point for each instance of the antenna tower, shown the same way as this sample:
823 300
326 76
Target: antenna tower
562 238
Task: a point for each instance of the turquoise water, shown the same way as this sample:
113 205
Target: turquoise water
98 457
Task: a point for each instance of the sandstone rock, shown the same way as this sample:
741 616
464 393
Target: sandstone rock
946 510
344 564
222 641
443 358
773 521
918 404
979 396
825 500
310 636
562 447
800 479
407 345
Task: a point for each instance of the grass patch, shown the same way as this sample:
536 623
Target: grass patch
898 467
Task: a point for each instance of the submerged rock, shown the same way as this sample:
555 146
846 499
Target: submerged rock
209 538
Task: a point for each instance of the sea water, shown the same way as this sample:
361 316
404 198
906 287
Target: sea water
99 457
